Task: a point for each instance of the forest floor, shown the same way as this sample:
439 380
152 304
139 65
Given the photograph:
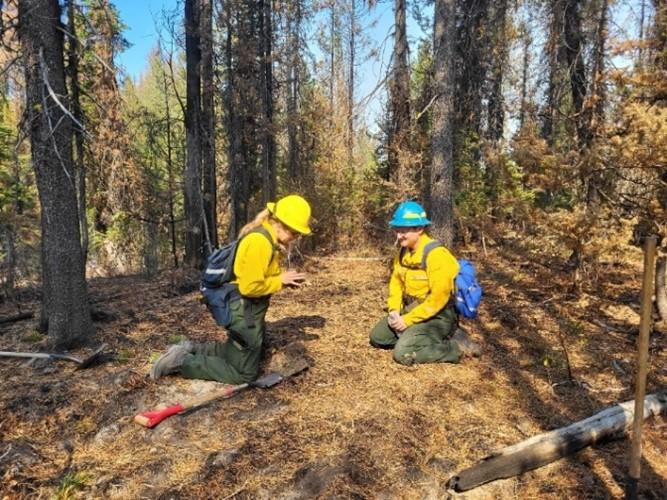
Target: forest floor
355 424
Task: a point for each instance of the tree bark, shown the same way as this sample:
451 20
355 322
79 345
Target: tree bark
399 95
555 58
496 103
8 239
65 308
192 174
660 36
266 89
73 67
208 124
498 49
660 293
471 35
294 70
238 177
525 38
332 55
170 167
442 168
573 46
350 85
545 448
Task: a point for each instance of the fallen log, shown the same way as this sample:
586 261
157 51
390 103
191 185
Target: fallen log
16 317
550 446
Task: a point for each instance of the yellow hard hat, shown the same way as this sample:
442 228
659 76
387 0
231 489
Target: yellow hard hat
293 211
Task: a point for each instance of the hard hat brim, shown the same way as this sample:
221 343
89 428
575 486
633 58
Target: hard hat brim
409 223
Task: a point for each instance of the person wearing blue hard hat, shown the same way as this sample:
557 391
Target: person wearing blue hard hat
421 325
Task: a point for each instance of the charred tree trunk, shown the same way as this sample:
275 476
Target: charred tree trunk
555 56
332 55
73 67
293 85
192 175
442 168
8 239
470 67
573 44
170 171
525 37
495 102
350 85
660 37
593 114
208 124
65 307
660 293
238 165
399 95
266 91
588 111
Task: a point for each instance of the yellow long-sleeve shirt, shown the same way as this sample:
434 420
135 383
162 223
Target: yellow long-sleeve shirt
257 266
431 286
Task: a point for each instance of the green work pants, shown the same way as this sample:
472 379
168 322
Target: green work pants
235 361
425 342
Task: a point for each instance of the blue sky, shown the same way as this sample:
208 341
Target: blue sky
139 17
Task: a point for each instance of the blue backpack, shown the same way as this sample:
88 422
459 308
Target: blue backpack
216 288
468 291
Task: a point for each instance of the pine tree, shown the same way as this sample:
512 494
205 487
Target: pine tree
65 309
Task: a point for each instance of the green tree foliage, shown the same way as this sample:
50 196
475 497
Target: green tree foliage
156 118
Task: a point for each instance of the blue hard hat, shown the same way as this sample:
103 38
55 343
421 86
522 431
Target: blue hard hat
409 214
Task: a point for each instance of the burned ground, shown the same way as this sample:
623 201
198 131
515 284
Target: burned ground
356 424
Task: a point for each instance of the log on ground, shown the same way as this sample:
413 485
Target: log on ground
548 447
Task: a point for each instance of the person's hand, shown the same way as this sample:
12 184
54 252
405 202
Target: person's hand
396 322
292 278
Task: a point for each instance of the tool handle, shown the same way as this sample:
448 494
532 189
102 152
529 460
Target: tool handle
25 354
227 391
41 355
151 418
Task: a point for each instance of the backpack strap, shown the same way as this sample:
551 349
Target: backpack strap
427 250
267 235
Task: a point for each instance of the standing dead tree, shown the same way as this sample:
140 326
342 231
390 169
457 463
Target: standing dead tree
65 310
442 168
192 177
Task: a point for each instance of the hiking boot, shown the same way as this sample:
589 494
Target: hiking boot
465 343
172 360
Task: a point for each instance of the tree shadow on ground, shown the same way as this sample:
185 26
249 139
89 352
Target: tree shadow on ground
293 329
573 398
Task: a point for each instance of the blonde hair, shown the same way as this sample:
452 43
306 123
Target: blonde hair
259 219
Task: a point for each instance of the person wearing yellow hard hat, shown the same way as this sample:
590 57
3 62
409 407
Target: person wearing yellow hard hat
257 276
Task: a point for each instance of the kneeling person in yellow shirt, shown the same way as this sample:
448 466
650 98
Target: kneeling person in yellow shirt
258 276
422 320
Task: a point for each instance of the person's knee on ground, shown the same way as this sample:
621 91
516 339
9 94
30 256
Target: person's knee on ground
404 357
381 336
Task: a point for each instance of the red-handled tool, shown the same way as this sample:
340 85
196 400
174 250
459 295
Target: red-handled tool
151 418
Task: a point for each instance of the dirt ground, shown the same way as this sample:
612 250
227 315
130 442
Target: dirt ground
356 424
